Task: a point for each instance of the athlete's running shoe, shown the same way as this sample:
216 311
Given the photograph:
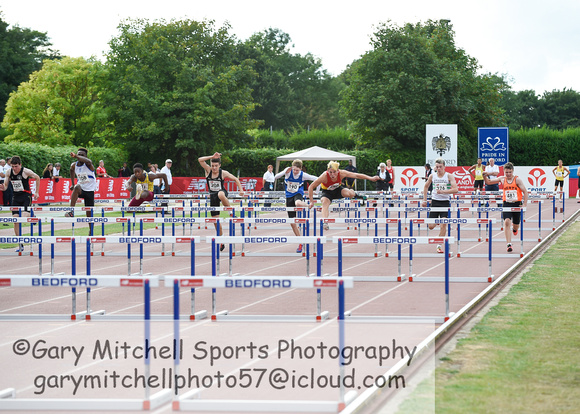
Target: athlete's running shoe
515 231
222 247
69 214
138 191
440 249
509 247
20 248
299 249
326 226
360 197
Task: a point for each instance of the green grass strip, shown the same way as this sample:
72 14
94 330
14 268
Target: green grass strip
524 355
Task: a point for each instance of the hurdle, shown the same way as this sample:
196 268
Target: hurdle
191 400
216 241
9 402
232 240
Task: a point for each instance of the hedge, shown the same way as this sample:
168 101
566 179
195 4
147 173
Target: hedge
36 156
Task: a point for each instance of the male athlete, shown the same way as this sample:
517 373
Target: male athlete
330 182
87 182
215 183
294 182
443 186
514 192
144 185
20 179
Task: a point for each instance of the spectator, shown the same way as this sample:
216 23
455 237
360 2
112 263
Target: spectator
428 172
156 181
47 172
167 171
56 172
492 172
384 178
349 181
124 171
7 194
101 172
269 179
3 168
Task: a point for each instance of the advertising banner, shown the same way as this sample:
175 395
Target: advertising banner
441 142
493 143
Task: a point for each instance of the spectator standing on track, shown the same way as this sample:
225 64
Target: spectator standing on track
269 179
47 172
215 183
351 168
476 171
492 171
514 192
428 172
156 181
560 172
101 172
143 185
7 194
384 178
391 171
124 171
20 177
294 179
167 171
443 186
86 185
330 183
56 172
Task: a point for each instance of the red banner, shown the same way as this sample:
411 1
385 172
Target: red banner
114 188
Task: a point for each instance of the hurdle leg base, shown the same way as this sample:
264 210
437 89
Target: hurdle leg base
215 316
198 315
323 316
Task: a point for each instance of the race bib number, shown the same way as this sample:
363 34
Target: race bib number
292 187
478 174
440 186
511 196
83 178
215 186
17 185
333 186
559 174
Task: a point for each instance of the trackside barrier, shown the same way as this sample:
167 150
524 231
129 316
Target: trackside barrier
9 402
191 401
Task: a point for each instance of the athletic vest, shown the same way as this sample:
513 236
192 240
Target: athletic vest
511 192
331 185
440 183
294 185
392 172
19 183
86 177
146 181
479 173
560 174
215 185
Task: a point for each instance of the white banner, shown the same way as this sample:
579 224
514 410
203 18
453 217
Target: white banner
441 142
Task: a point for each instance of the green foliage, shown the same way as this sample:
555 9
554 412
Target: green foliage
59 105
36 156
560 109
176 89
415 75
544 146
21 53
291 90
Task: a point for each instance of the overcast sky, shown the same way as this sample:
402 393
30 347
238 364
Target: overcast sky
535 42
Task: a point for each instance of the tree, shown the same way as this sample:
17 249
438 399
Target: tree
521 109
415 75
59 105
175 90
21 53
560 109
291 90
